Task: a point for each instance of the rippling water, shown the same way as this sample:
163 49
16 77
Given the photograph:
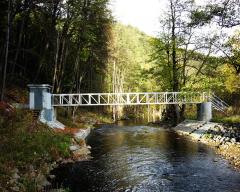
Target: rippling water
144 158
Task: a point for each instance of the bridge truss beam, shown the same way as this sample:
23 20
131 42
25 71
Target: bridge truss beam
111 99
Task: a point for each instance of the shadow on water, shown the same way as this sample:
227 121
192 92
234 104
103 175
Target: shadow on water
130 157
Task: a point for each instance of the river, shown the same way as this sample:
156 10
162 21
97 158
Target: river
132 157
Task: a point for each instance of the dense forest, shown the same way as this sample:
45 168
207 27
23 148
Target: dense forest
76 46
63 43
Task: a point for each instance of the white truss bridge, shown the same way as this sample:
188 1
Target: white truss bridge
148 98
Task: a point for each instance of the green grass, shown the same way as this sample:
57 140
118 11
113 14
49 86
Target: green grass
230 119
24 142
232 115
208 136
218 118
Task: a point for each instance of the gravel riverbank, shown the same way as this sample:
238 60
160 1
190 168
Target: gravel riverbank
224 138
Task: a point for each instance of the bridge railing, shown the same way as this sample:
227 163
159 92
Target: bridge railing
103 99
218 103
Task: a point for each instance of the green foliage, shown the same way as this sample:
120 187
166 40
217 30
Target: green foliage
63 43
231 119
208 136
223 12
130 51
231 50
200 17
83 118
160 70
24 143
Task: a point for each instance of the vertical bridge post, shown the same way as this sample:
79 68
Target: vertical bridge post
40 98
204 111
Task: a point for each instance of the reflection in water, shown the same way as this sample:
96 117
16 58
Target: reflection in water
142 158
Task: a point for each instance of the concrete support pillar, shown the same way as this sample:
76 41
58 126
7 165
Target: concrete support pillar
40 98
204 111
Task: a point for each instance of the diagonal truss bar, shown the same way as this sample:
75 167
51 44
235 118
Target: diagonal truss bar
107 99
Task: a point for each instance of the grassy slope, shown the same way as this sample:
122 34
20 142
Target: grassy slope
28 147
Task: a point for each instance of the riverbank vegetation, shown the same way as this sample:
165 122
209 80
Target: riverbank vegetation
28 150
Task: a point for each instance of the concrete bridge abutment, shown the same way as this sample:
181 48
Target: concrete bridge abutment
204 111
40 99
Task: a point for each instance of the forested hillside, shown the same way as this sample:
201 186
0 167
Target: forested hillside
63 43
76 46
130 57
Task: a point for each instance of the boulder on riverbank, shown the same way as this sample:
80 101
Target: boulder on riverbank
225 138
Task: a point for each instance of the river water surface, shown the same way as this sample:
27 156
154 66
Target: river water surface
146 159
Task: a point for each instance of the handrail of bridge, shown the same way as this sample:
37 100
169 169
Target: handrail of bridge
218 103
135 98
213 95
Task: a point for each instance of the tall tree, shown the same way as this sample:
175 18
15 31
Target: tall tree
176 35
129 56
6 50
225 13
63 43
175 51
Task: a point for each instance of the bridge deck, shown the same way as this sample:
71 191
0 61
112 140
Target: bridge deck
106 99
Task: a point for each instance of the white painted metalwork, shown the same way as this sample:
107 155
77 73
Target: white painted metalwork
106 99
218 103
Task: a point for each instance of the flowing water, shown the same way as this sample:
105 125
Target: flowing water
145 158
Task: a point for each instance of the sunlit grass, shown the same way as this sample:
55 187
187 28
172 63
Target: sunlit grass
230 119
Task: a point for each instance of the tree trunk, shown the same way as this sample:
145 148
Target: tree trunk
175 86
114 89
18 46
6 52
62 64
173 42
56 63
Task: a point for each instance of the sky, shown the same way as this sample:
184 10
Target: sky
143 14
